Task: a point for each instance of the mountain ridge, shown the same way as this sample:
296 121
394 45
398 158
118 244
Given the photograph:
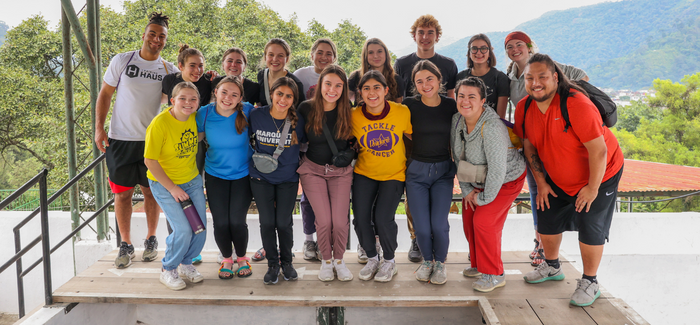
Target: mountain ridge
609 39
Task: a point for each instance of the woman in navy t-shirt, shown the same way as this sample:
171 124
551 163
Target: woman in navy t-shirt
275 193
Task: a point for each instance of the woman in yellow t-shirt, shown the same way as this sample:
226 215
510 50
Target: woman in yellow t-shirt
170 155
380 172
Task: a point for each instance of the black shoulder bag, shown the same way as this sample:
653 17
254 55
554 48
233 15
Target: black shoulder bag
340 158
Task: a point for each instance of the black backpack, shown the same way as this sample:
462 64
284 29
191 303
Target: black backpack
606 107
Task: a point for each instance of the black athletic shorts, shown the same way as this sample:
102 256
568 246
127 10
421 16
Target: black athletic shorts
125 165
593 226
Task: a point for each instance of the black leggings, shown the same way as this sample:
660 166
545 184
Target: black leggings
376 201
229 201
275 204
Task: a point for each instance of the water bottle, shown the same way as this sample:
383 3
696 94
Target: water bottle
192 216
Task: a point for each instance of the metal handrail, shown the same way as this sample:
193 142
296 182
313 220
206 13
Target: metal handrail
41 178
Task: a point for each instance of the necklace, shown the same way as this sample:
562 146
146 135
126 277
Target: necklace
275 123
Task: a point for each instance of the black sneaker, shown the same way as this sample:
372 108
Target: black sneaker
126 253
289 272
414 254
151 249
272 274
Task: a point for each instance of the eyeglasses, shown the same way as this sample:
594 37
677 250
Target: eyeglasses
483 49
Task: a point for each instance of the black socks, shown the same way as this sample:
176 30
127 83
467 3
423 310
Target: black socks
591 278
553 263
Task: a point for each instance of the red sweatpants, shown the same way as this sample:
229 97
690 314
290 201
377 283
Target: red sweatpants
484 227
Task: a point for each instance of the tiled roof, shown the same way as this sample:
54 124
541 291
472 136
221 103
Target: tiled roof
646 176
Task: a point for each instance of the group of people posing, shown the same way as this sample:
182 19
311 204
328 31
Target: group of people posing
384 129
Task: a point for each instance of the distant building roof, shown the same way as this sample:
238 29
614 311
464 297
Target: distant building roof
646 178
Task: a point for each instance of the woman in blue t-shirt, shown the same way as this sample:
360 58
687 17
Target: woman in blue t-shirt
225 125
275 192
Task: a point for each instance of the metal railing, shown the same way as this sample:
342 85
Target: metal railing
43 210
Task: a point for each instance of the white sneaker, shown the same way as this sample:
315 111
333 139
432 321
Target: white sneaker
190 272
172 280
326 273
343 273
386 271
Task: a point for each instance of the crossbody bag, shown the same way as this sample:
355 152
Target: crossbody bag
340 158
266 163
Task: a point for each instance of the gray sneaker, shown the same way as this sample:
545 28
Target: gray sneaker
386 271
151 251
424 271
361 255
439 274
367 272
543 273
310 249
489 282
586 293
126 253
414 254
471 272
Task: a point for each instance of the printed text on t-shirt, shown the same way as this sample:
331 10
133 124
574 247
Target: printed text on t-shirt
272 139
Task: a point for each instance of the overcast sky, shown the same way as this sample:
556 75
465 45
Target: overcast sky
388 20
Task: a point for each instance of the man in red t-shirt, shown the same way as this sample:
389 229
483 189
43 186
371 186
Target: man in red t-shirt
584 165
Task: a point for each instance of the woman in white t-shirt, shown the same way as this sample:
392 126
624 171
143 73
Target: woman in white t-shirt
323 53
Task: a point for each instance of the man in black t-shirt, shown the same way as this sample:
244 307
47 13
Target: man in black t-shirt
426 32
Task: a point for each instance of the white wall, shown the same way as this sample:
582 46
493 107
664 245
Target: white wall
631 233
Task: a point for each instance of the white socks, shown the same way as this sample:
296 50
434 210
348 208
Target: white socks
309 237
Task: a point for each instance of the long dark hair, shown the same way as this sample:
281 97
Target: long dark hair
343 126
241 122
564 84
292 111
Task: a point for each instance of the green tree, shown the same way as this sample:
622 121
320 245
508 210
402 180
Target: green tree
32 118
666 130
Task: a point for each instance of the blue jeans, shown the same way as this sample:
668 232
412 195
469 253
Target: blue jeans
429 189
532 187
182 245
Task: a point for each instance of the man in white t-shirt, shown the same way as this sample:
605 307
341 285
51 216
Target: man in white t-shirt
136 77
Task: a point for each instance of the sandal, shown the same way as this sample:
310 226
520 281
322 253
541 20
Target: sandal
533 254
539 259
259 255
229 271
244 267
